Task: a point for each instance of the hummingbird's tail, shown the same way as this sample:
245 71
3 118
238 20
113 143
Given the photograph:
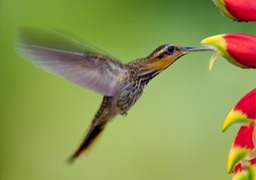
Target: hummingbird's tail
99 122
89 139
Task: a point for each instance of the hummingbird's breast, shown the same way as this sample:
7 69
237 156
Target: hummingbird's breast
131 89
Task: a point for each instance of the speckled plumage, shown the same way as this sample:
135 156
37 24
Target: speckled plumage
120 84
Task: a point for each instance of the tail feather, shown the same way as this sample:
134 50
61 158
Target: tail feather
89 139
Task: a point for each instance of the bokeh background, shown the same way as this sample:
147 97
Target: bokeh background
173 132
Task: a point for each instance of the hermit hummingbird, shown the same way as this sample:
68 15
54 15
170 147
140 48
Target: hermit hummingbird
120 84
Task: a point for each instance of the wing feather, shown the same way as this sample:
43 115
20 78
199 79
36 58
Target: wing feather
70 59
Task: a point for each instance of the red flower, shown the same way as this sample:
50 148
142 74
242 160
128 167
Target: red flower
245 170
238 49
242 148
238 10
243 112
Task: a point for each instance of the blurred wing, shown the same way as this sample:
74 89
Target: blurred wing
70 59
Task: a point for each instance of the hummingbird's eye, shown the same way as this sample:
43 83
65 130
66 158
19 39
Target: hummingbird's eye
170 50
165 51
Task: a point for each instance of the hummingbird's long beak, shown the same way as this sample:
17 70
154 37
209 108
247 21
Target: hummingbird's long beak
187 50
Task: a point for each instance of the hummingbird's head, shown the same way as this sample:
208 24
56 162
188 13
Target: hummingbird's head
166 54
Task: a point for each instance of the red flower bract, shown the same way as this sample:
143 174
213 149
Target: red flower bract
243 112
238 49
244 10
242 47
242 147
247 105
245 170
238 168
244 137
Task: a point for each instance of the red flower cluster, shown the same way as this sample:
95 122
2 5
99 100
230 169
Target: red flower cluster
240 50
242 155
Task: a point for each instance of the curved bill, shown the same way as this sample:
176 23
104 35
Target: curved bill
196 49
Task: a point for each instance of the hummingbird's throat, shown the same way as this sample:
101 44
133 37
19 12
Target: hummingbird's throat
161 64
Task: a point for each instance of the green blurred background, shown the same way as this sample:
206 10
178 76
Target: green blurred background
173 132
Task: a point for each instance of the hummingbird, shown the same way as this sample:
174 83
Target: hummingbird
120 84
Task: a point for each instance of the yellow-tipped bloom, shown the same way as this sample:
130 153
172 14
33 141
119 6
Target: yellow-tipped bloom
242 147
235 117
238 49
244 112
245 170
